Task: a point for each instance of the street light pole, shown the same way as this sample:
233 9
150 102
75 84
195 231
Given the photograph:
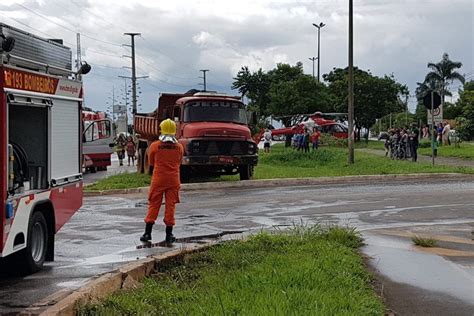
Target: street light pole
313 59
319 27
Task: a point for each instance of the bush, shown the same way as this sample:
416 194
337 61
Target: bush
425 144
328 139
465 128
296 158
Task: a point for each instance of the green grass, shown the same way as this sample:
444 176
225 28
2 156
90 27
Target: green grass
288 163
371 144
423 242
120 181
464 151
304 272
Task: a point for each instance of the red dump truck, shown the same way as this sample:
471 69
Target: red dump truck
212 128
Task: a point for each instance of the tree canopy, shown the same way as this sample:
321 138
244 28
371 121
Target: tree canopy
282 91
374 97
441 75
466 104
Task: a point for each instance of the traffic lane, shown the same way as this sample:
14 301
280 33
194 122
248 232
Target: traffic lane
104 233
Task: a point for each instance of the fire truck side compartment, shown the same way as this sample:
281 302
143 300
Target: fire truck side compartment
28 129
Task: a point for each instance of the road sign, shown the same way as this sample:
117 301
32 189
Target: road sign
436 111
437 115
119 108
436 100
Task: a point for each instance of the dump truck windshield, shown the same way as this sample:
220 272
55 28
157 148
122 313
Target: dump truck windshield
215 111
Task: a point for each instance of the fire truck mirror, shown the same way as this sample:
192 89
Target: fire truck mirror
85 69
8 43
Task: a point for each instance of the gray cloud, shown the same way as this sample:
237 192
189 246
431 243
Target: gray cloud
179 38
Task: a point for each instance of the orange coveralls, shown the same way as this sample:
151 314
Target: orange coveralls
166 160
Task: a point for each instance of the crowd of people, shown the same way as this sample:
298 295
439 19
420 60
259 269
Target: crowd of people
402 143
125 145
302 140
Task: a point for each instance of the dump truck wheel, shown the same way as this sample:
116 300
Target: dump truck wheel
246 172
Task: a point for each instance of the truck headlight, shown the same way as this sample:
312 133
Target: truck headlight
251 149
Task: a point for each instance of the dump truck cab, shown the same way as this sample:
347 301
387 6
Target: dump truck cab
213 130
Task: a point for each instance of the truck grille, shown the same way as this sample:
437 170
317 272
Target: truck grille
216 147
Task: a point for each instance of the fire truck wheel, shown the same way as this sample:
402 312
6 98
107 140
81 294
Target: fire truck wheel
92 169
246 172
34 255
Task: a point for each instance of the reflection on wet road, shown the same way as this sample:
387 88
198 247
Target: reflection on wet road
104 234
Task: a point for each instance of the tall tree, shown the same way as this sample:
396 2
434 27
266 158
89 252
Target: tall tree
443 73
290 98
466 103
255 86
374 97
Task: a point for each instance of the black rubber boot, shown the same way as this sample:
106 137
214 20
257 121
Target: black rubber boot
170 239
147 235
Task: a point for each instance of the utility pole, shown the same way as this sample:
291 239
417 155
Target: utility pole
351 87
204 77
134 74
313 59
78 55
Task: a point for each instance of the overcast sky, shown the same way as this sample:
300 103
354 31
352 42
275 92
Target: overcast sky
180 37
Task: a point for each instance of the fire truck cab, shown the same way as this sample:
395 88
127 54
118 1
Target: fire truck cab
40 145
98 141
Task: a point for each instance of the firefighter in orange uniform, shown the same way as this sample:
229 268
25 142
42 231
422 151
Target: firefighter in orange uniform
165 158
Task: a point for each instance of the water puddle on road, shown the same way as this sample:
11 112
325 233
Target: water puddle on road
400 262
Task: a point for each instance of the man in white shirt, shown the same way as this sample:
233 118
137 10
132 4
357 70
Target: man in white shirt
445 133
267 139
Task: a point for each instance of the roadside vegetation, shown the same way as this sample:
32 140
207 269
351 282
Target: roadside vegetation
120 181
284 162
305 271
424 242
464 151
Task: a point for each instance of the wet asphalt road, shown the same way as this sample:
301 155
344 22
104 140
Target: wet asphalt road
104 233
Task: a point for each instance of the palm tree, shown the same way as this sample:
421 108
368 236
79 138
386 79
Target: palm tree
426 87
443 73
244 81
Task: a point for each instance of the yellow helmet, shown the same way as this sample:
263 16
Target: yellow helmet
168 127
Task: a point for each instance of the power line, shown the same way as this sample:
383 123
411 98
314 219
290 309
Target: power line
65 27
162 72
35 29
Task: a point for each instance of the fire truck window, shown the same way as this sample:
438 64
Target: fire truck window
97 130
89 132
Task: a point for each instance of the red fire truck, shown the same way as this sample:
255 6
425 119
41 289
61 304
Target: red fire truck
40 145
98 141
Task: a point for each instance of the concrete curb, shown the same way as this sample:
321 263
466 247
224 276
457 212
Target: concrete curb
250 184
126 277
